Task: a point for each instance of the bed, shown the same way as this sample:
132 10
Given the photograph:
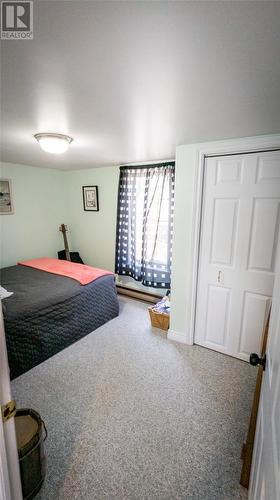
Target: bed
48 312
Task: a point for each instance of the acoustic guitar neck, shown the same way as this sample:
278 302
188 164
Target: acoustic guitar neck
63 229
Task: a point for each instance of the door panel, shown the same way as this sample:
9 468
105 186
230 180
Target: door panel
255 311
265 224
239 232
218 308
224 231
265 475
229 170
268 168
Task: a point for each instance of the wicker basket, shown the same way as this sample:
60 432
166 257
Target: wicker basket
159 319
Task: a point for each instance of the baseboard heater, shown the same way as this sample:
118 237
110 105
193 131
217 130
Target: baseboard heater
138 294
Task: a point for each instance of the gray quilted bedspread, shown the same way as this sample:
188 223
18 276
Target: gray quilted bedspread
49 312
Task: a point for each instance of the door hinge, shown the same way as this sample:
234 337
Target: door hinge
8 410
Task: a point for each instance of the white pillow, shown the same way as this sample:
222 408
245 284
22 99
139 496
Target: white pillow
4 293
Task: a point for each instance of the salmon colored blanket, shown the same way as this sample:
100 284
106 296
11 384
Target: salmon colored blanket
79 272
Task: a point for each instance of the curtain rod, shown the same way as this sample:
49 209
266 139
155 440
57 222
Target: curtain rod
148 165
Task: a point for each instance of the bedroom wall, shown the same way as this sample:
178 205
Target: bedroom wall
93 234
43 199
39 208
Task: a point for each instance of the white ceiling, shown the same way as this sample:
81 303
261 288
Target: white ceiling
132 80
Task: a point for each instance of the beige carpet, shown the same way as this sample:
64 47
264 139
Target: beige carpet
131 415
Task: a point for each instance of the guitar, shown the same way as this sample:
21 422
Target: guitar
66 254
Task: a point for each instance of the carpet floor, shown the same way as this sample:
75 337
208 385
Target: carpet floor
131 415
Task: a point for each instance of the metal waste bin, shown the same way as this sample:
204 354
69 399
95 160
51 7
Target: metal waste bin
31 434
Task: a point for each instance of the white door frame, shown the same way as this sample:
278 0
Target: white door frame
5 490
260 461
10 484
233 146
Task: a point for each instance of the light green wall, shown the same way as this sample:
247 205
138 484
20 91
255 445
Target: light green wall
43 199
93 234
182 263
39 207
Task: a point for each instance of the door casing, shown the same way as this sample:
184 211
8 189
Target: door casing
10 483
221 148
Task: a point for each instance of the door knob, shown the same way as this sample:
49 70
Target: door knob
257 360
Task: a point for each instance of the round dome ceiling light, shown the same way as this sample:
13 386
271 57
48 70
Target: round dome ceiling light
54 143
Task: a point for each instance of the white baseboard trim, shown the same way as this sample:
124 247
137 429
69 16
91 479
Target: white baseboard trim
176 336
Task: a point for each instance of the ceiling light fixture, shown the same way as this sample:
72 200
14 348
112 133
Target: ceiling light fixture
54 143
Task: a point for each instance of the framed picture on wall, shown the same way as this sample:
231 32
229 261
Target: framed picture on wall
90 197
6 205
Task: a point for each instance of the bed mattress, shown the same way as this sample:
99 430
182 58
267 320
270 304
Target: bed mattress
48 312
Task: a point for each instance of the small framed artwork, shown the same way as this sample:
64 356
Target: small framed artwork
6 205
90 197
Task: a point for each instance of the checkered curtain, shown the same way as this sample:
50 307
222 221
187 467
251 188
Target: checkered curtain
145 223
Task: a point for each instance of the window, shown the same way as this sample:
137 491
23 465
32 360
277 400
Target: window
145 223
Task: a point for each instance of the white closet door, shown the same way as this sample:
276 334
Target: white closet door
239 233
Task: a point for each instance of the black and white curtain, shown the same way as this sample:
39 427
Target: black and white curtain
145 223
